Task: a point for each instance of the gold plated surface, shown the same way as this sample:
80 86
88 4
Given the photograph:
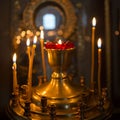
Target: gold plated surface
59 90
67 100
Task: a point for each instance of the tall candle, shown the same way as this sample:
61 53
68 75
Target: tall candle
99 43
42 52
14 67
93 52
31 53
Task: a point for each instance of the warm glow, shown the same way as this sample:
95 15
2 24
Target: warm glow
18 41
14 57
28 42
60 41
35 40
93 21
99 43
23 33
37 33
28 32
41 33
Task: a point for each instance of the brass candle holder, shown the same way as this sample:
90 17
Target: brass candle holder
58 98
59 90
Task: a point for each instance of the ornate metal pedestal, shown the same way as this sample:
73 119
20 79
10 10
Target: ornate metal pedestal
60 99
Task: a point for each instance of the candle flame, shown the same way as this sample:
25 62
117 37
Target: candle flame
35 40
42 33
23 33
14 57
60 41
28 42
94 21
99 43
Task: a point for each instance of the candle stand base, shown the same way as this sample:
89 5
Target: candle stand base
59 98
81 107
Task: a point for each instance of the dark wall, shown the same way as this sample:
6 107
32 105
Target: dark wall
115 22
5 54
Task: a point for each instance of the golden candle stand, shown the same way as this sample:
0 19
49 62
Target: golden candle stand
59 98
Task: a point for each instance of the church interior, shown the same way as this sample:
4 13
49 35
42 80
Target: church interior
60 60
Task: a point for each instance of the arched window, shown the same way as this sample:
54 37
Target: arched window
49 21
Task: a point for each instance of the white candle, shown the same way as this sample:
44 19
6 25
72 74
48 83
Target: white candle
14 67
93 52
42 52
99 43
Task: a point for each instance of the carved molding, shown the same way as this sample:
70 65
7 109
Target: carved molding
65 5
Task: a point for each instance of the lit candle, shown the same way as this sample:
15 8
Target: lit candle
35 41
34 46
92 56
14 67
31 57
28 47
99 43
42 52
